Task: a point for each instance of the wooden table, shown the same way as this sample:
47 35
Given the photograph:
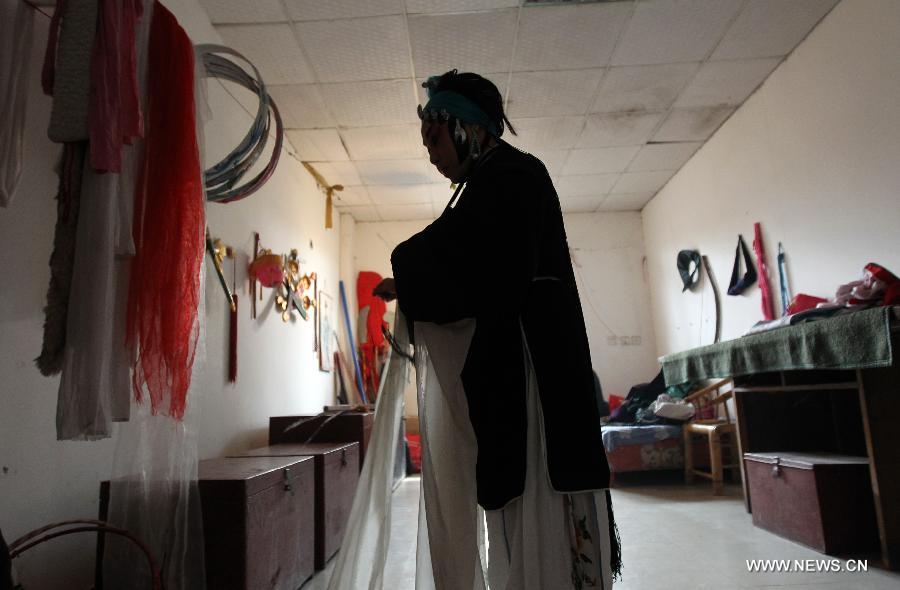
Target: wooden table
848 411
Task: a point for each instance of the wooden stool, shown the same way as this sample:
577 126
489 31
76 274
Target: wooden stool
717 427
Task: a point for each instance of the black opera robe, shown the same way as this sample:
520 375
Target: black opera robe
500 256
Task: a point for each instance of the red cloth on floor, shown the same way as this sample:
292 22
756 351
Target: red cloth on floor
168 226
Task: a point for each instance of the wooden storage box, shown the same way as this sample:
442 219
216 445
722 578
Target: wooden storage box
821 500
258 522
337 475
349 427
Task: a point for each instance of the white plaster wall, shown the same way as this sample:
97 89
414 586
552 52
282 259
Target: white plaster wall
42 480
813 155
607 250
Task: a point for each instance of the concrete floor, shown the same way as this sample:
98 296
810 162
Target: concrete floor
674 537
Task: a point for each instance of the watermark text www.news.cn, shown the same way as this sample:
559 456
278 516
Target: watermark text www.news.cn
807 565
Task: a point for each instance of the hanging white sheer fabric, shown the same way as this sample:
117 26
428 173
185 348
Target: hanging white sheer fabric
360 562
154 492
95 388
16 39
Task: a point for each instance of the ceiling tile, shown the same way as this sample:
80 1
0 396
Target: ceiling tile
390 142
406 212
366 213
670 31
241 11
499 80
720 83
546 133
400 194
553 159
626 202
615 129
363 104
663 156
352 196
769 28
584 185
301 106
642 182
433 6
642 88
273 49
357 49
693 124
317 145
377 172
338 173
473 42
599 160
581 204
542 94
557 37
303 10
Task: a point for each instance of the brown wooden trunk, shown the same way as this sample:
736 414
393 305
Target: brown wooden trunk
258 522
337 476
349 427
821 500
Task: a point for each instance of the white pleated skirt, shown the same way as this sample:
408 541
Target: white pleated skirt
542 540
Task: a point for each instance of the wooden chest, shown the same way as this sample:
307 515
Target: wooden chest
821 500
347 427
337 475
258 522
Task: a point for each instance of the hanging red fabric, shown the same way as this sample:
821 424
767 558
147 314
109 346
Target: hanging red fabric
168 228
765 288
114 117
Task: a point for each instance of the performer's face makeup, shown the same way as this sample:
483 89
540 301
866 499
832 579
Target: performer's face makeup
441 151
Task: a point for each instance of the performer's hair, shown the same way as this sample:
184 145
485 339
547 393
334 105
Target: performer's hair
479 90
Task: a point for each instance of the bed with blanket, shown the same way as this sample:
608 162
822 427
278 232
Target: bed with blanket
649 447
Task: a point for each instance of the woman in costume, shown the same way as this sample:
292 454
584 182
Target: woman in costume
515 480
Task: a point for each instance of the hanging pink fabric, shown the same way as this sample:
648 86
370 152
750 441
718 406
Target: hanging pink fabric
168 225
765 288
114 118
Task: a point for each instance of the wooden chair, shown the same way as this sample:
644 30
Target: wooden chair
712 419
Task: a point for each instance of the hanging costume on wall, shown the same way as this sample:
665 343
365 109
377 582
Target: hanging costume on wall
16 38
513 356
370 325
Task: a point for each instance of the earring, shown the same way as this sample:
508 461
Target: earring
475 150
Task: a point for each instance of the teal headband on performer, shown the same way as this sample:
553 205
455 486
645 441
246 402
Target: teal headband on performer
448 103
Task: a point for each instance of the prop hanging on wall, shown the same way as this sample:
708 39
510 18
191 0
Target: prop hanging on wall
739 284
218 252
688 263
765 288
222 180
359 380
329 192
782 277
325 313
716 296
282 273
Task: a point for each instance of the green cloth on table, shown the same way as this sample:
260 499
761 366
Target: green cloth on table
859 340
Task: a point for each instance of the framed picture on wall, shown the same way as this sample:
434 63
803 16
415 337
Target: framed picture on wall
326 328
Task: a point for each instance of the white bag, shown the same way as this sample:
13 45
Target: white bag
666 406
